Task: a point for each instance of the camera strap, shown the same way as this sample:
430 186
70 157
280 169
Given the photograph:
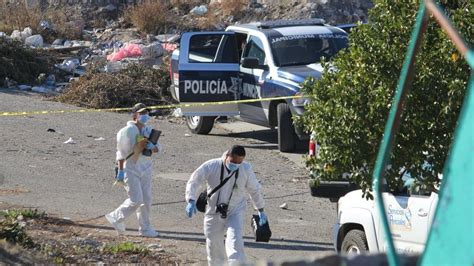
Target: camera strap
223 182
236 173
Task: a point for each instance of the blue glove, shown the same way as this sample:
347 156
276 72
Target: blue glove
146 131
149 146
120 175
263 218
191 208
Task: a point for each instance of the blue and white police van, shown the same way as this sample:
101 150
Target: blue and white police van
252 61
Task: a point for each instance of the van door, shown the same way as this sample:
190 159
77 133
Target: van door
208 72
408 217
252 82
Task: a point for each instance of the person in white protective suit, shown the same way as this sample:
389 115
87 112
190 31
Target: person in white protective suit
134 169
225 210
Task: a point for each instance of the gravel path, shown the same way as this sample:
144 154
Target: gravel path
75 180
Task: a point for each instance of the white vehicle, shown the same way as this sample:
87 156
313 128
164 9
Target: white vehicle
359 227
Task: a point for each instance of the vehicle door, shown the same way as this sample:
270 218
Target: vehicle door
408 218
252 82
208 72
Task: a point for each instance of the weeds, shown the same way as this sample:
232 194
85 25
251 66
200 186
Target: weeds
126 247
233 7
16 16
14 232
25 213
150 16
19 63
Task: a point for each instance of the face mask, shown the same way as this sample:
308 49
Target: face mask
143 118
232 166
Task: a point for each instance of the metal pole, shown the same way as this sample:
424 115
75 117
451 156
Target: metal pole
392 126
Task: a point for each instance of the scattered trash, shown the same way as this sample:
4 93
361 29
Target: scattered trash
51 80
51 130
199 10
284 206
154 246
40 89
58 42
24 87
70 141
177 112
9 83
69 65
130 50
45 25
34 41
100 139
187 135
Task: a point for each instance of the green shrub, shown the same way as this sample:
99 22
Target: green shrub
350 103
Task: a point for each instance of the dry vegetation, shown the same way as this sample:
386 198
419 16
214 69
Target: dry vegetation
151 16
233 7
19 63
66 22
137 83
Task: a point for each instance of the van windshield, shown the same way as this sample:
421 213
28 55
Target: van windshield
304 49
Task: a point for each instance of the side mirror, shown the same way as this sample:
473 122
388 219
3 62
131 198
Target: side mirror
252 63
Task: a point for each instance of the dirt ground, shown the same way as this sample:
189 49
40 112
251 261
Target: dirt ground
73 182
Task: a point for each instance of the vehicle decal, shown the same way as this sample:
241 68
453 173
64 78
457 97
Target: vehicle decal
399 218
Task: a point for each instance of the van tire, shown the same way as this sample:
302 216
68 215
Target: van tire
200 124
286 129
354 243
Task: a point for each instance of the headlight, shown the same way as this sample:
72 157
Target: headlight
300 101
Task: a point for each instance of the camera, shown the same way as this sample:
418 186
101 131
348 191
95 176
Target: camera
222 209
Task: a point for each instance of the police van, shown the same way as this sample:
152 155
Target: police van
252 61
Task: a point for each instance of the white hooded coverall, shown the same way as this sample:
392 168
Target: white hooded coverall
214 226
137 178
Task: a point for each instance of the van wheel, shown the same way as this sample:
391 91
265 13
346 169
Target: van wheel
354 243
286 129
200 124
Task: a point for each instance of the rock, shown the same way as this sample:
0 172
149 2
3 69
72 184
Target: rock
199 10
34 41
284 206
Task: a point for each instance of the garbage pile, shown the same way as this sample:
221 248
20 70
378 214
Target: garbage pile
136 83
112 48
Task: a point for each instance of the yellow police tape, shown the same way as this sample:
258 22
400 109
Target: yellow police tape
169 106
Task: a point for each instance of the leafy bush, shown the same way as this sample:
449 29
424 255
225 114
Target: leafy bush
150 16
14 232
350 103
25 213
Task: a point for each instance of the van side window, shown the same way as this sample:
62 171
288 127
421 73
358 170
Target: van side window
213 48
255 49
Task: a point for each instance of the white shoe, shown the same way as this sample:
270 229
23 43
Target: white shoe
149 233
119 227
